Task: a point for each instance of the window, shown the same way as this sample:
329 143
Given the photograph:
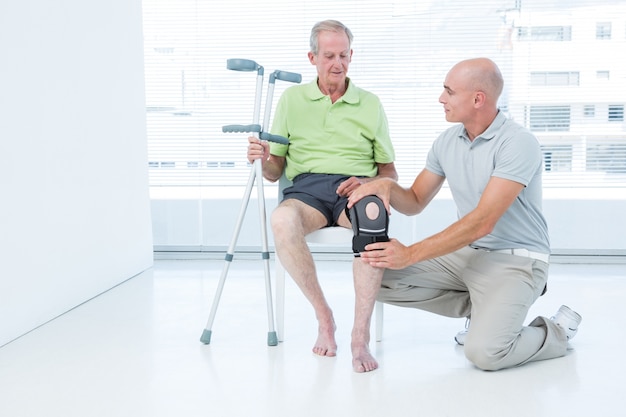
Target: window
545 33
616 112
557 158
549 118
603 30
402 52
548 78
607 157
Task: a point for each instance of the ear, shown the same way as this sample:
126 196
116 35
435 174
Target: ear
311 58
479 99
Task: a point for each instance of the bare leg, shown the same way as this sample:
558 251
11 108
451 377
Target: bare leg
367 281
291 221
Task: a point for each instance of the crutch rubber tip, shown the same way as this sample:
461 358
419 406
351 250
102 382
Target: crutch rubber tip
272 339
206 337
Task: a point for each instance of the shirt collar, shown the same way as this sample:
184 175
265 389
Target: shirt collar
491 131
351 95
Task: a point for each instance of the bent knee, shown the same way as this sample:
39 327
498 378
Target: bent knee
484 356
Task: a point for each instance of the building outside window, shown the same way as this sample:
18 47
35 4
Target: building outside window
616 112
550 78
603 30
545 33
550 118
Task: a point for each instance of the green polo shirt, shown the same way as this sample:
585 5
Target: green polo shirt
348 137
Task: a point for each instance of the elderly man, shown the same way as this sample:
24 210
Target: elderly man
338 140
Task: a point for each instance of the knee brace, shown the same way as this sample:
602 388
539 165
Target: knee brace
370 223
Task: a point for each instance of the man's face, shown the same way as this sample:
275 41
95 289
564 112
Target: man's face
333 58
457 99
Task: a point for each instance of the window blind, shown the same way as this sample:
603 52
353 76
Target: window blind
562 78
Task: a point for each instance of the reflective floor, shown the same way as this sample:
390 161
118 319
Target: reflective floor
135 351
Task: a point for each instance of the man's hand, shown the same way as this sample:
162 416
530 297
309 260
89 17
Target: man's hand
392 255
384 171
348 186
380 187
257 149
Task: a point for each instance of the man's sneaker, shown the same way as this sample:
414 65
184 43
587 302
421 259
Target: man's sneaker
568 320
460 336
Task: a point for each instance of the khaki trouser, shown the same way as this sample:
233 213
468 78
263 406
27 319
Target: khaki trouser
496 289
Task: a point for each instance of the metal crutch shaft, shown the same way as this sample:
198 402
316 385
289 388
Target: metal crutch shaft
291 77
237 65
256 173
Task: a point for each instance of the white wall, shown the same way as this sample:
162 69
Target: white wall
74 212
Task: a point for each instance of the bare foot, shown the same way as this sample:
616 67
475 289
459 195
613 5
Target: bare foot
362 359
326 344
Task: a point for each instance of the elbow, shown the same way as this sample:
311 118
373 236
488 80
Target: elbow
388 171
483 229
417 210
410 210
479 223
271 176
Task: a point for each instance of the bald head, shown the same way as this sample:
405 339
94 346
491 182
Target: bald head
481 74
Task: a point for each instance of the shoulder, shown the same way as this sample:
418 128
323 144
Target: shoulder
297 90
504 126
513 132
309 89
355 94
517 143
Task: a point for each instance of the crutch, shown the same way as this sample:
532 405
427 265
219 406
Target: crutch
255 172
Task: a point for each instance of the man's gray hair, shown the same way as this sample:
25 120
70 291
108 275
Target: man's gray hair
329 26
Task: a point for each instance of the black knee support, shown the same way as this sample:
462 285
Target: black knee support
370 223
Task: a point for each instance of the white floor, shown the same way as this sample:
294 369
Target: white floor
135 351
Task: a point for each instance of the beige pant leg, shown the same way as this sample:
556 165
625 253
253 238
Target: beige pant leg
502 289
497 289
434 285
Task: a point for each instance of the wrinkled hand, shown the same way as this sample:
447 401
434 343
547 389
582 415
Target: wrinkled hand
379 188
392 255
348 186
257 149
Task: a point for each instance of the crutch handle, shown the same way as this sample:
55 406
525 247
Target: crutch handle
241 128
291 77
243 65
274 138
257 129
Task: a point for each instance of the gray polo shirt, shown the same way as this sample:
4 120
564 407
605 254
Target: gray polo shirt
505 150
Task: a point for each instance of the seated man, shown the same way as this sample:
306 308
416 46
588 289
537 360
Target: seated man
492 263
339 139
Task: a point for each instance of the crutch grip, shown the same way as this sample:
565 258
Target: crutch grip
242 65
241 128
291 77
274 138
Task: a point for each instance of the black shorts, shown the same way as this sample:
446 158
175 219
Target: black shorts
320 192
